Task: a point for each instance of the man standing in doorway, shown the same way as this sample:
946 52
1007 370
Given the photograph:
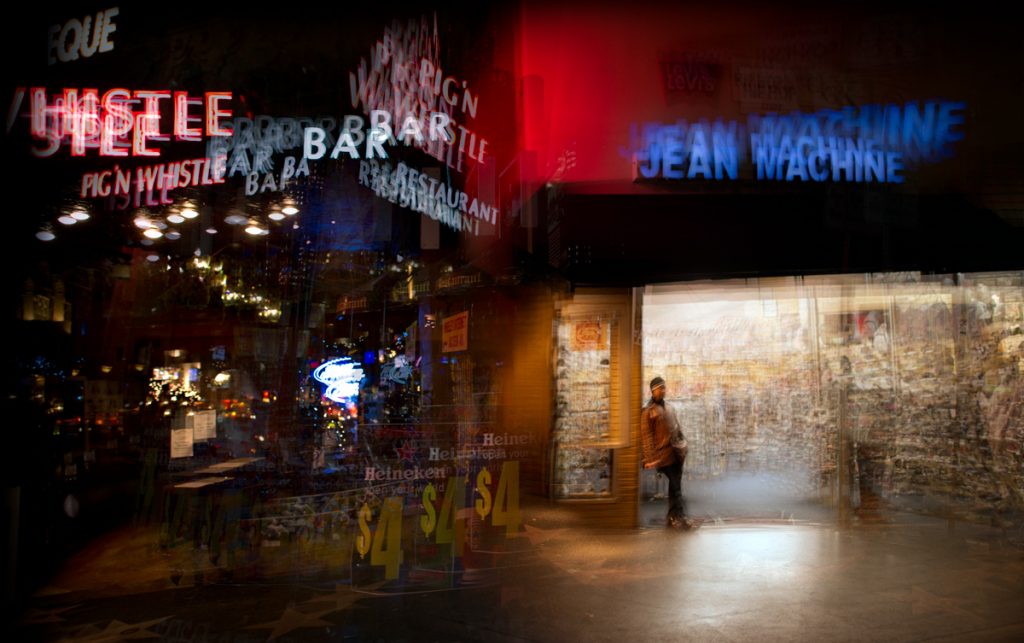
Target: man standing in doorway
665 449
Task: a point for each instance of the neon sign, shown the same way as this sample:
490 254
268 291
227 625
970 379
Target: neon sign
405 77
273 182
110 123
154 178
260 138
407 187
874 143
341 377
380 132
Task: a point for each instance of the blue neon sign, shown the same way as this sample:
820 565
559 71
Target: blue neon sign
341 378
872 143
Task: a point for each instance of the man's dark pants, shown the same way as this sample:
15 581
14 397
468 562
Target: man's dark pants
676 504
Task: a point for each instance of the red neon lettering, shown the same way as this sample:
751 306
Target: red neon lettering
88 181
151 107
122 181
214 114
66 114
168 176
117 122
181 118
90 121
144 127
43 115
84 114
183 176
102 183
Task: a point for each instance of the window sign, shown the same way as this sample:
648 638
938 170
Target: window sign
341 378
872 143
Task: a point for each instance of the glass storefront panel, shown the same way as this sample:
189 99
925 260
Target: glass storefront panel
846 392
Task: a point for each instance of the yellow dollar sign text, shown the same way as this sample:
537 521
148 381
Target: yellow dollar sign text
483 503
429 521
387 540
451 526
506 503
363 541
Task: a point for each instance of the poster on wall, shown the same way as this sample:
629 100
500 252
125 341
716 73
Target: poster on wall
181 443
583 415
455 333
204 425
589 336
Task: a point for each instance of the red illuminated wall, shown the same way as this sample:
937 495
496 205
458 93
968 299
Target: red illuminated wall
589 73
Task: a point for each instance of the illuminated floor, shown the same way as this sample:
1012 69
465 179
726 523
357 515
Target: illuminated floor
911 579
740 498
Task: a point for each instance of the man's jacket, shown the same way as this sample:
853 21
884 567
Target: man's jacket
662 438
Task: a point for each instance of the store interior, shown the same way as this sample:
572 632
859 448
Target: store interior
842 397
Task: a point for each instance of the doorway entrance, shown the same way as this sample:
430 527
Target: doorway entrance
742 363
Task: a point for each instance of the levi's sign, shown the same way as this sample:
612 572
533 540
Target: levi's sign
873 143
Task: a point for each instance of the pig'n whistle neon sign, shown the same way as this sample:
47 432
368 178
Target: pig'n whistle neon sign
120 122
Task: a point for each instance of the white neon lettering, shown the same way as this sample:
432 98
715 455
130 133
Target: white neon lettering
51 44
341 378
440 121
313 137
80 37
65 53
353 124
411 127
451 99
347 145
380 125
288 171
87 46
108 28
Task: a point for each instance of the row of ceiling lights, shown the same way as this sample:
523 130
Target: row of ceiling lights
155 228
68 218
254 226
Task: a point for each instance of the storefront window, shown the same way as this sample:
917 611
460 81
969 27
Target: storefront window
854 390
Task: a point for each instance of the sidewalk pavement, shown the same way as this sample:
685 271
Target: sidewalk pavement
908 579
